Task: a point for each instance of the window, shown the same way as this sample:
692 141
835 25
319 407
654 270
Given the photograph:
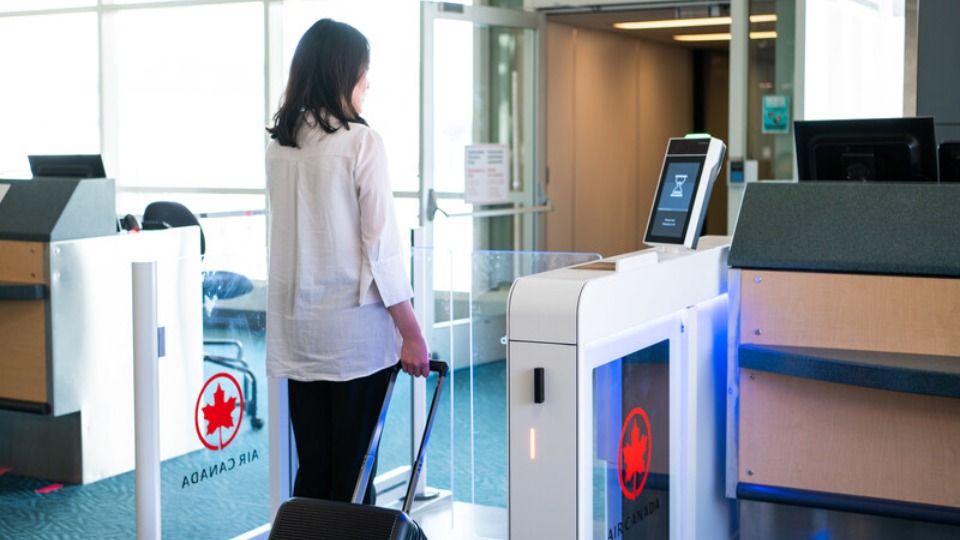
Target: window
177 97
11 6
854 59
49 101
189 108
392 102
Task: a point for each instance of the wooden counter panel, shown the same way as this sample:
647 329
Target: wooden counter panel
23 364
851 311
21 262
812 435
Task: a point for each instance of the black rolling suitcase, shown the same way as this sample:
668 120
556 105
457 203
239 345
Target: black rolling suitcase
301 518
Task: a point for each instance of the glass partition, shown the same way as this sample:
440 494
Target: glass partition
464 486
402 429
221 489
467 455
480 426
631 442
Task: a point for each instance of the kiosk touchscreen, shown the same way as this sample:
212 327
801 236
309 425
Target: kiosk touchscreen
686 179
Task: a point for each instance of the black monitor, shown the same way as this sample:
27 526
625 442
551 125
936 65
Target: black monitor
867 150
950 161
67 166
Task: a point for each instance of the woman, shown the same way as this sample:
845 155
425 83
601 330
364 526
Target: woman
338 308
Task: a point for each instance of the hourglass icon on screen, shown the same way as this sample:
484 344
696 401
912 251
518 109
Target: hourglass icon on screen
678 180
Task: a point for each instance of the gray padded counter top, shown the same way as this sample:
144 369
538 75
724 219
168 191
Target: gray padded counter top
52 209
865 228
913 373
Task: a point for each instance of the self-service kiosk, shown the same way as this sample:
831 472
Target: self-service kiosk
615 411
616 380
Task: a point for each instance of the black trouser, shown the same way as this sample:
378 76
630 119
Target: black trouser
332 424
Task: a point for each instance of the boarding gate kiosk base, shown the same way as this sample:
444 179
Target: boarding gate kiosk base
616 393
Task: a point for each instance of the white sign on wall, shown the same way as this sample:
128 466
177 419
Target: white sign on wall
487 179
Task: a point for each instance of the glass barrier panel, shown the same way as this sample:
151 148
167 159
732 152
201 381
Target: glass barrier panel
442 320
221 488
631 445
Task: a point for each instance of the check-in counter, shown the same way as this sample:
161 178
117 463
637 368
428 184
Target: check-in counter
66 338
845 348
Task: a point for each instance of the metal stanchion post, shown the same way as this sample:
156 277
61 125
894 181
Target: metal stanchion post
146 399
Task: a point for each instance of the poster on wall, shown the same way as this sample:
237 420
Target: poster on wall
776 114
487 179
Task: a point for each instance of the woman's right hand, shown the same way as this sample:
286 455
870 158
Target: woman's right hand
414 357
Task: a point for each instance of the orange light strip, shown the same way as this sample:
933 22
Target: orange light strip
722 37
689 23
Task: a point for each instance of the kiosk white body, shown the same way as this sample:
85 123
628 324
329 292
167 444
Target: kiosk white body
586 346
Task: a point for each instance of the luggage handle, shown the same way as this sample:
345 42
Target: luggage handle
435 366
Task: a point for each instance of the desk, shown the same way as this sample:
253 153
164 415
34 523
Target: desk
844 398
66 349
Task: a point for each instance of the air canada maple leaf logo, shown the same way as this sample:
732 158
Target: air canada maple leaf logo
218 415
633 464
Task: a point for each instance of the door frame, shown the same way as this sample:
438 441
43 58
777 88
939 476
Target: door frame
424 300
479 15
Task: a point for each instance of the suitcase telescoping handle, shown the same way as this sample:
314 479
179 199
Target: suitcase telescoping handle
435 366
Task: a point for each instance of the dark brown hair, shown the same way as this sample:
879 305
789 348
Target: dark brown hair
329 61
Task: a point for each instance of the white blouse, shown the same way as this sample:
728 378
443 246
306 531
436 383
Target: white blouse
335 257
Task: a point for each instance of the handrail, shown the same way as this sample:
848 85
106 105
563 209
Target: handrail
225 214
232 213
432 210
503 212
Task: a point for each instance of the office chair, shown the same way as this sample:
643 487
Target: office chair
217 285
